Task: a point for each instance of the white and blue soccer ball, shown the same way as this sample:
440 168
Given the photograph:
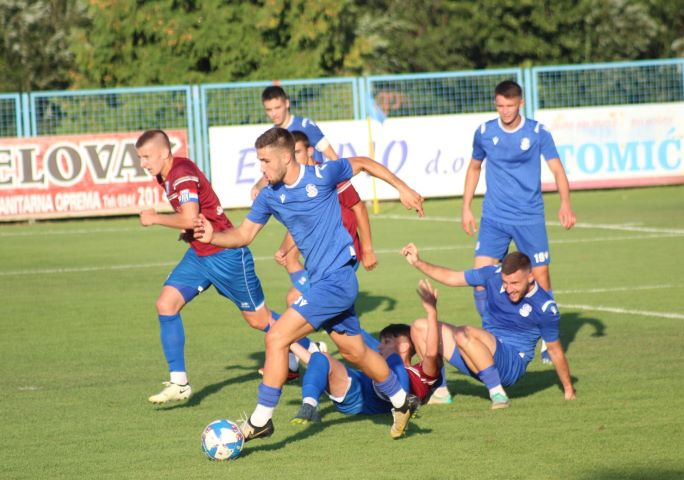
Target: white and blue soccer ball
222 440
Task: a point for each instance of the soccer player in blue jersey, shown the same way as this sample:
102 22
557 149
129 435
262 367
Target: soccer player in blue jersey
277 107
304 200
513 208
518 312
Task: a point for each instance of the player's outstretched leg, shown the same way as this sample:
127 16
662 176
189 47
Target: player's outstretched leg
313 385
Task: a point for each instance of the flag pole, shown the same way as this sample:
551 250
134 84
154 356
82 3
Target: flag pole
371 154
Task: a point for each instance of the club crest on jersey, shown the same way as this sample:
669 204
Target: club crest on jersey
219 210
495 140
525 143
311 190
282 198
525 310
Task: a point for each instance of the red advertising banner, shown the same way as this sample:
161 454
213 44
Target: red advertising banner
77 176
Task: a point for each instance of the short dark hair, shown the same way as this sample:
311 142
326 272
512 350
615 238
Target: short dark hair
301 137
508 89
276 137
398 330
274 91
153 135
515 261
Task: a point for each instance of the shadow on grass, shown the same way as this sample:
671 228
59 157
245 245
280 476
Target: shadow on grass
366 302
635 473
251 374
313 429
571 323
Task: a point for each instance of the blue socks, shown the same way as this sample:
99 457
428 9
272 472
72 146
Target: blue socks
316 376
268 396
173 341
490 377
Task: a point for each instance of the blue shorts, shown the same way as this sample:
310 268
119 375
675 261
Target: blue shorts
494 239
301 280
231 271
506 359
329 303
361 398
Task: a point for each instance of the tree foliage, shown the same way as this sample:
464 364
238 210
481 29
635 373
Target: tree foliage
48 44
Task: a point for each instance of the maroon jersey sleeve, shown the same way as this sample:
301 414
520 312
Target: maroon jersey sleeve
186 183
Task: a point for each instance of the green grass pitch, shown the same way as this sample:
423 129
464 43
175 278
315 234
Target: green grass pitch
79 344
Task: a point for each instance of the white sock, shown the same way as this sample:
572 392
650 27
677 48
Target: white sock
398 399
179 378
261 415
310 401
292 362
497 389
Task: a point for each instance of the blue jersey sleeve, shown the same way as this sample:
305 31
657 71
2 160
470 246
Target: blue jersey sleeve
478 276
312 131
550 320
335 172
478 150
547 145
260 212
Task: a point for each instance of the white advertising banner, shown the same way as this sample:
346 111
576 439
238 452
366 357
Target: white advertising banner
431 154
601 147
618 146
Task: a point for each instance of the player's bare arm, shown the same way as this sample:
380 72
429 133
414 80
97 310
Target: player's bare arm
369 260
231 238
448 277
468 221
408 197
431 358
329 153
560 362
565 214
182 220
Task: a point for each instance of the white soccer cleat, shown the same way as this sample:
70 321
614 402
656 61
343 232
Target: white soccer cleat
171 392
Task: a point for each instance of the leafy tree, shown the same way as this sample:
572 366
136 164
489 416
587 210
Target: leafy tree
34 43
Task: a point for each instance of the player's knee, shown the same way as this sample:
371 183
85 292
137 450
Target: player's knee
257 319
275 340
462 337
167 306
419 325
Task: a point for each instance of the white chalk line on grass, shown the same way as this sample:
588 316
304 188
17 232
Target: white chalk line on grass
625 227
78 231
617 289
600 308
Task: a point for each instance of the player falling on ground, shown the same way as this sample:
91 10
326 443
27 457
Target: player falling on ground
518 312
513 207
352 392
304 200
231 271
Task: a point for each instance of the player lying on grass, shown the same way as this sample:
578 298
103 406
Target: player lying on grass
517 313
304 200
353 392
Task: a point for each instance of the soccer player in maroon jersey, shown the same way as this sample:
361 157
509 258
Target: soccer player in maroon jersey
231 271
